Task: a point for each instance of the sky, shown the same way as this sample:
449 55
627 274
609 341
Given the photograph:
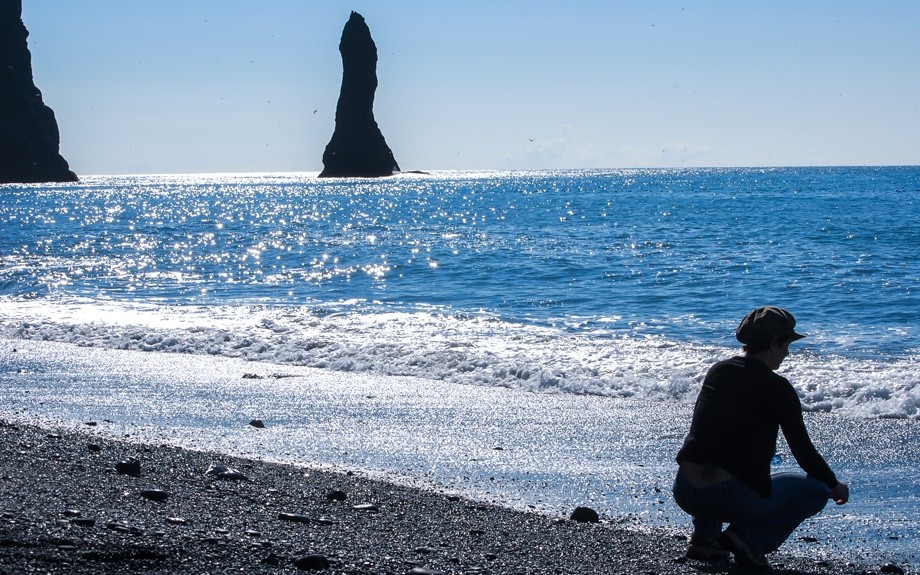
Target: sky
197 86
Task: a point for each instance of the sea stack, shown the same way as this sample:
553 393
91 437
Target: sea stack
29 137
357 147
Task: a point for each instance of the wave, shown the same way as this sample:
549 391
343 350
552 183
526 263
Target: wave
437 343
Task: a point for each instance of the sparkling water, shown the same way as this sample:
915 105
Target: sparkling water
624 283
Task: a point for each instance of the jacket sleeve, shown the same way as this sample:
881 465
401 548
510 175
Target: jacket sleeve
804 451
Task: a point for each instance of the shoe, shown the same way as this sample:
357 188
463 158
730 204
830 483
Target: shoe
743 554
707 550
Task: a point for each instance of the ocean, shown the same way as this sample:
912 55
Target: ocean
612 287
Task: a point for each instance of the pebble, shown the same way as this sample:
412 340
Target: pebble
93 447
117 526
892 568
312 562
224 472
257 423
271 560
129 467
369 507
154 494
584 515
83 521
424 571
295 517
176 521
336 495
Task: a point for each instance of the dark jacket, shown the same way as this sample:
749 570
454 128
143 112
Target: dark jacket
740 409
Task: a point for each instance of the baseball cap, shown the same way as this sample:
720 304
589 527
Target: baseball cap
765 324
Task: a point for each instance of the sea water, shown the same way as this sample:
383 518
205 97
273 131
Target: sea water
622 283
619 284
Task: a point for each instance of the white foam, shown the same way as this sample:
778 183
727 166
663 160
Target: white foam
434 343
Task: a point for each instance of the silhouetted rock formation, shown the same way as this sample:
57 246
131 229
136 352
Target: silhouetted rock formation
29 137
357 148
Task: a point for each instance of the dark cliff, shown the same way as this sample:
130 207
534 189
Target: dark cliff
29 137
357 147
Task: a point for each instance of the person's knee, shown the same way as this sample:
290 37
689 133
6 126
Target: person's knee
683 498
821 489
683 494
805 492
818 495
819 503
805 485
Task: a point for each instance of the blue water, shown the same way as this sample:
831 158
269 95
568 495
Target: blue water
622 282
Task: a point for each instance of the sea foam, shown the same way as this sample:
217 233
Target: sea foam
438 344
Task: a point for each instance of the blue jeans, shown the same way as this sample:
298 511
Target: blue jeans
761 522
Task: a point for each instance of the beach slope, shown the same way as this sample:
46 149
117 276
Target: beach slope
75 503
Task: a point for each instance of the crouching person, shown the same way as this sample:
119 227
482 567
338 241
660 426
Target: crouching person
724 463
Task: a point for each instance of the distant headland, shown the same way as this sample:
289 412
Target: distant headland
29 137
357 147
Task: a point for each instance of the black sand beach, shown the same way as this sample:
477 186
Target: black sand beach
66 509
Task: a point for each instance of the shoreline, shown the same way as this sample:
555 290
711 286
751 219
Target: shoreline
66 509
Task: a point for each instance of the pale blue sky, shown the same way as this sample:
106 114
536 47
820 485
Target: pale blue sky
178 86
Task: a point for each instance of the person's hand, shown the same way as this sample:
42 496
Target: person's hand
840 494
